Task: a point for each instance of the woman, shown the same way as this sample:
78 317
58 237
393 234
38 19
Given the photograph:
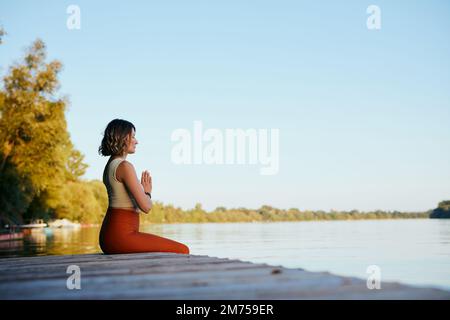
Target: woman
126 196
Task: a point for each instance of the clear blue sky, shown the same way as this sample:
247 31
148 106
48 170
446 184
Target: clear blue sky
363 115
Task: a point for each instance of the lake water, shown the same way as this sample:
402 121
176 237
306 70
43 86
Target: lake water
415 251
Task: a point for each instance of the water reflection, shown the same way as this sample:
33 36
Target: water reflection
9 247
52 241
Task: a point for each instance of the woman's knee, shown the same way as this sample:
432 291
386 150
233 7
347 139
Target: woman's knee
184 249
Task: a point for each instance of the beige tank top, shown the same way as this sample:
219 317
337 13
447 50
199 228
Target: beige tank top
118 195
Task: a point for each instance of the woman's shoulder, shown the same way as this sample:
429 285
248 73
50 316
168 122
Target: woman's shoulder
124 168
118 162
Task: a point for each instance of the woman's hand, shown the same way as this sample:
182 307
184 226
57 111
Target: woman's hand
146 181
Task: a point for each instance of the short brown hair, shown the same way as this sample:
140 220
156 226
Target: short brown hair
115 136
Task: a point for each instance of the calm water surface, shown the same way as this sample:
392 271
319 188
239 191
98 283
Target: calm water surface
410 251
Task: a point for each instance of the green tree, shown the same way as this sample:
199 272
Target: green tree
75 165
35 148
442 211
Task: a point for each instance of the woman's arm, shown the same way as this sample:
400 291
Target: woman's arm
129 178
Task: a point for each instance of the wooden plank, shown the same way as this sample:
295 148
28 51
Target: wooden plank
174 276
39 260
59 272
19 267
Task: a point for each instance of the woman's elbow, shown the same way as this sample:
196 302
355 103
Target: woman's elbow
145 210
148 208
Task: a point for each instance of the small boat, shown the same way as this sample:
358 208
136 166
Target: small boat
39 223
63 223
11 236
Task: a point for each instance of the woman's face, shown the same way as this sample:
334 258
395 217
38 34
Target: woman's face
132 142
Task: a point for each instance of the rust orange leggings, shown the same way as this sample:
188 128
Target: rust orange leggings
120 234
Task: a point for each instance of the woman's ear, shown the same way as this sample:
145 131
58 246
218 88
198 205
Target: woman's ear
128 138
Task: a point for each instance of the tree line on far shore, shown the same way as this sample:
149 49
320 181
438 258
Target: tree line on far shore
168 214
87 202
40 169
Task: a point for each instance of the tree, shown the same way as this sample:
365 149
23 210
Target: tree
35 148
442 211
75 165
84 202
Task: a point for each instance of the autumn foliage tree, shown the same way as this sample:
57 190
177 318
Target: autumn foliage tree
37 157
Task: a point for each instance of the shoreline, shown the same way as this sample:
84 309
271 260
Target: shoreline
90 225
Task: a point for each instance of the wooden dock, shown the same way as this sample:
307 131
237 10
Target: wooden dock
191 277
